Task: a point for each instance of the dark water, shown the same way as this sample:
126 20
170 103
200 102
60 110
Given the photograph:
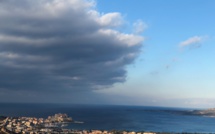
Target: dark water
131 118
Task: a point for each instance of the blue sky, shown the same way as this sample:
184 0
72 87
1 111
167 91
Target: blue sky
142 52
165 72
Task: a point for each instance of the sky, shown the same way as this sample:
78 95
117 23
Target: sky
142 52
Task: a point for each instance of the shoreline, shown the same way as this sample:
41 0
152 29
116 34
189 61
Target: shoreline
32 125
55 125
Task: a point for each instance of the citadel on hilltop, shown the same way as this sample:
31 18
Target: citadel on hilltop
58 118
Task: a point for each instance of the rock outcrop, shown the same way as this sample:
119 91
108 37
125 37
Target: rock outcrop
208 112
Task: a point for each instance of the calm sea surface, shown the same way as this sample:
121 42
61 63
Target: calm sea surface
131 118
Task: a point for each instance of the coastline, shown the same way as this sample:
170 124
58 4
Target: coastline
120 118
51 125
54 125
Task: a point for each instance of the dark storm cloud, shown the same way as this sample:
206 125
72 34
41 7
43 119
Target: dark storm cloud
62 44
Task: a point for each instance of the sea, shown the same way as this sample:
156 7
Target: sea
116 117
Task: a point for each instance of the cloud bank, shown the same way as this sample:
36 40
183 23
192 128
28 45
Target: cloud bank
54 45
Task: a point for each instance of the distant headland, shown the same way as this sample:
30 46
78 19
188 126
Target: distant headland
208 112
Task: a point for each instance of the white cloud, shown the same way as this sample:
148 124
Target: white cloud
125 39
111 19
139 26
192 41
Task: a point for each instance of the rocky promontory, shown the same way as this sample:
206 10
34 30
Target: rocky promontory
208 112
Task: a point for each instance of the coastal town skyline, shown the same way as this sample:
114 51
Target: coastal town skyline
148 53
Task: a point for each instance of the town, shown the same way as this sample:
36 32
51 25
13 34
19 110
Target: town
32 125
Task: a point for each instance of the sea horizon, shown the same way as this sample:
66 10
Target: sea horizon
94 104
